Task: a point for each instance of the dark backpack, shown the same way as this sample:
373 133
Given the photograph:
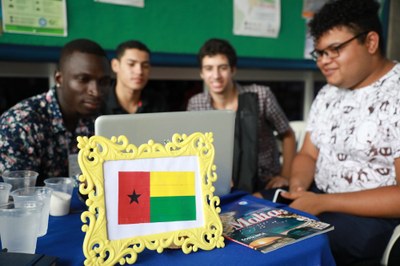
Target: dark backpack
245 157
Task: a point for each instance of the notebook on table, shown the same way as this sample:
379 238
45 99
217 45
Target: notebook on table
160 127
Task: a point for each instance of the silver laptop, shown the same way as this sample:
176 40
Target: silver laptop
139 128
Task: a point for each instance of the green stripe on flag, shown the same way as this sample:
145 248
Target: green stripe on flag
169 209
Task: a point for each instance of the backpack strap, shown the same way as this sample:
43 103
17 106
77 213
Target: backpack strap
245 160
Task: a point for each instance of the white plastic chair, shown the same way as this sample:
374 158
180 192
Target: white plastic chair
389 249
299 128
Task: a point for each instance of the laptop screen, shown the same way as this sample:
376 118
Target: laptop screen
140 128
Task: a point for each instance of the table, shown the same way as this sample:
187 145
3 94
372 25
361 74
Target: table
64 240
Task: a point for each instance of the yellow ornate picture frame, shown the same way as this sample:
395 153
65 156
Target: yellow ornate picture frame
107 242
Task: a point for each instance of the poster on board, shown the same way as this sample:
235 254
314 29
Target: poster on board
39 17
136 3
260 18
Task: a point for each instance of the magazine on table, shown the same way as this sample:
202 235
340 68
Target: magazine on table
266 228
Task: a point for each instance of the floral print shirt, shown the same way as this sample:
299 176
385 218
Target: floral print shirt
357 133
33 137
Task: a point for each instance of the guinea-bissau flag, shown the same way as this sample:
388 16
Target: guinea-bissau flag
148 197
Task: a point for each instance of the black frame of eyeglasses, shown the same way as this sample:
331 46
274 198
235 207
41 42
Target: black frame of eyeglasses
316 54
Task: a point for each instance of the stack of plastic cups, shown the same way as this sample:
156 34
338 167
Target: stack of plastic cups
19 226
42 194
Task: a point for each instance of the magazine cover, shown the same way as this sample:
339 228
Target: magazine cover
265 228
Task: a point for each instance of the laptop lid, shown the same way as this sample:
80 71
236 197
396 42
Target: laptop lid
139 128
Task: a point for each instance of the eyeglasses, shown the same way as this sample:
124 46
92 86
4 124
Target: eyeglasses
333 52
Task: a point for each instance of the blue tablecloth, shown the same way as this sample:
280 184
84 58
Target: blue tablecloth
64 240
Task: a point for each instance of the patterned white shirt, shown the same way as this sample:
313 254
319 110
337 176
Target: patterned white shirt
357 133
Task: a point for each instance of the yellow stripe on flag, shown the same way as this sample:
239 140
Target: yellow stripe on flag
164 184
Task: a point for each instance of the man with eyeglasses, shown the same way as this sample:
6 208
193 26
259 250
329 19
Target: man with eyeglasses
348 170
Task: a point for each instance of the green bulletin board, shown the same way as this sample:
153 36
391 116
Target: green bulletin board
172 26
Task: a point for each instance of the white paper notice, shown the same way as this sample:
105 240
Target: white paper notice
309 46
311 6
136 3
257 17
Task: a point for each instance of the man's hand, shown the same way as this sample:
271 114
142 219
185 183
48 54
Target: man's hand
306 201
277 182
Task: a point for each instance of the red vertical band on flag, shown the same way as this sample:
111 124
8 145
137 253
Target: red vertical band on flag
133 197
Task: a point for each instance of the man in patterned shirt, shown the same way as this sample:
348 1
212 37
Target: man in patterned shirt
256 155
352 147
40 133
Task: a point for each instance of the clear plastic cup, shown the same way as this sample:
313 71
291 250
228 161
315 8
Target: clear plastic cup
60 201
5 189
18 228
33 204
42 194
20 178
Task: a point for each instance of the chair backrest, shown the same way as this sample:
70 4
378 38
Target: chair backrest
299 128
391 256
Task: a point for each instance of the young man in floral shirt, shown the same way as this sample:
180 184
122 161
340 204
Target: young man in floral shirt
40 133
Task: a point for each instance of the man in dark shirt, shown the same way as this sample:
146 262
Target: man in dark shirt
39 133
132 69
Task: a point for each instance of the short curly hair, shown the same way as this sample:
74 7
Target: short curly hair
214 47
80 45
357 15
